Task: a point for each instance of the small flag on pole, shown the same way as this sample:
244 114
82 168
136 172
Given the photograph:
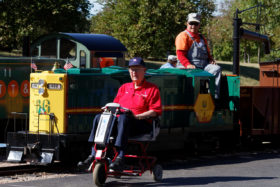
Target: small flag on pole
33 66
68 65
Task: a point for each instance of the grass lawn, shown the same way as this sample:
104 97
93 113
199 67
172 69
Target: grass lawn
13 53
249 73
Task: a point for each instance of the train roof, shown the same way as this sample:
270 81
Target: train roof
184 72
93 42
98 42
108 70
121 71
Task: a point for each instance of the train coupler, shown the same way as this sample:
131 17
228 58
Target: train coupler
33 148
36 155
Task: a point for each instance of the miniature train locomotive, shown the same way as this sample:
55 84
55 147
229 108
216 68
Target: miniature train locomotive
46 52
64 103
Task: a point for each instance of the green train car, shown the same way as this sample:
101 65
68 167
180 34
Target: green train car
15 88
64 103
49 51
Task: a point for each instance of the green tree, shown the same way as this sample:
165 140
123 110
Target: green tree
36 17
221 27
220 34
148 28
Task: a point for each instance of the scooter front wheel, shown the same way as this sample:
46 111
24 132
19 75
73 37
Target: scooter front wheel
157 172
99 174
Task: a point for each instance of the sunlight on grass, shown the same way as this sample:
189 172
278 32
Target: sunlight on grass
249 73
13 53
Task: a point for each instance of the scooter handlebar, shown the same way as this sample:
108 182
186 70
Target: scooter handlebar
114 107
125 109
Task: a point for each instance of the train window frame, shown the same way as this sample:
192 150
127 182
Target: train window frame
83 59
204 86
66 54
48 48
35 51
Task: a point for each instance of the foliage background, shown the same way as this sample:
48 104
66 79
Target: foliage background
221 29
19 18
146 27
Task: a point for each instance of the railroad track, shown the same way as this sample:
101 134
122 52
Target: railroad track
29 169
20 169
165 157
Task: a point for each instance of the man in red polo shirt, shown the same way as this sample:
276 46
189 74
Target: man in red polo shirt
143 99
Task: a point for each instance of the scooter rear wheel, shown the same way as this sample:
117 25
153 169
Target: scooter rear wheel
99 174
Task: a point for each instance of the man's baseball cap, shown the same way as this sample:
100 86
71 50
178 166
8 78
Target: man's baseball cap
193 17
136 61
172 58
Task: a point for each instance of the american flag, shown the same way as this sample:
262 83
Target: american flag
33 66
68 65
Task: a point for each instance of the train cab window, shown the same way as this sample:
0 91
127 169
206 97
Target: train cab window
103 62
67 49
204 86
106 61
35 51
83 59
48 48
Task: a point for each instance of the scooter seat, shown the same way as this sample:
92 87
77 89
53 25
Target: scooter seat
150 137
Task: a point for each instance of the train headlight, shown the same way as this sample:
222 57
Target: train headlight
41 82
41 91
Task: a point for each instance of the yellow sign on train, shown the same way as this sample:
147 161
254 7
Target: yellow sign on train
204 108
47 102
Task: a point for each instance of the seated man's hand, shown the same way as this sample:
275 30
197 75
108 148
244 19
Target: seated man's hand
139 116
128 112
146 115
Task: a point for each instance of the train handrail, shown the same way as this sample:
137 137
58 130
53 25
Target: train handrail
52 122
52 119
14 117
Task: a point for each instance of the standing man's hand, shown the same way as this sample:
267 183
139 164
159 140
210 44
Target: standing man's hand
190 66
213 62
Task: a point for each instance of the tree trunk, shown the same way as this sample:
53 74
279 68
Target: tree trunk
244 56
259 53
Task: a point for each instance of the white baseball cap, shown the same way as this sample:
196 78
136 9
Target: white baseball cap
193 17
172 58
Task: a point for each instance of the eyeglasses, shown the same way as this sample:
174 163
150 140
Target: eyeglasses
194 23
